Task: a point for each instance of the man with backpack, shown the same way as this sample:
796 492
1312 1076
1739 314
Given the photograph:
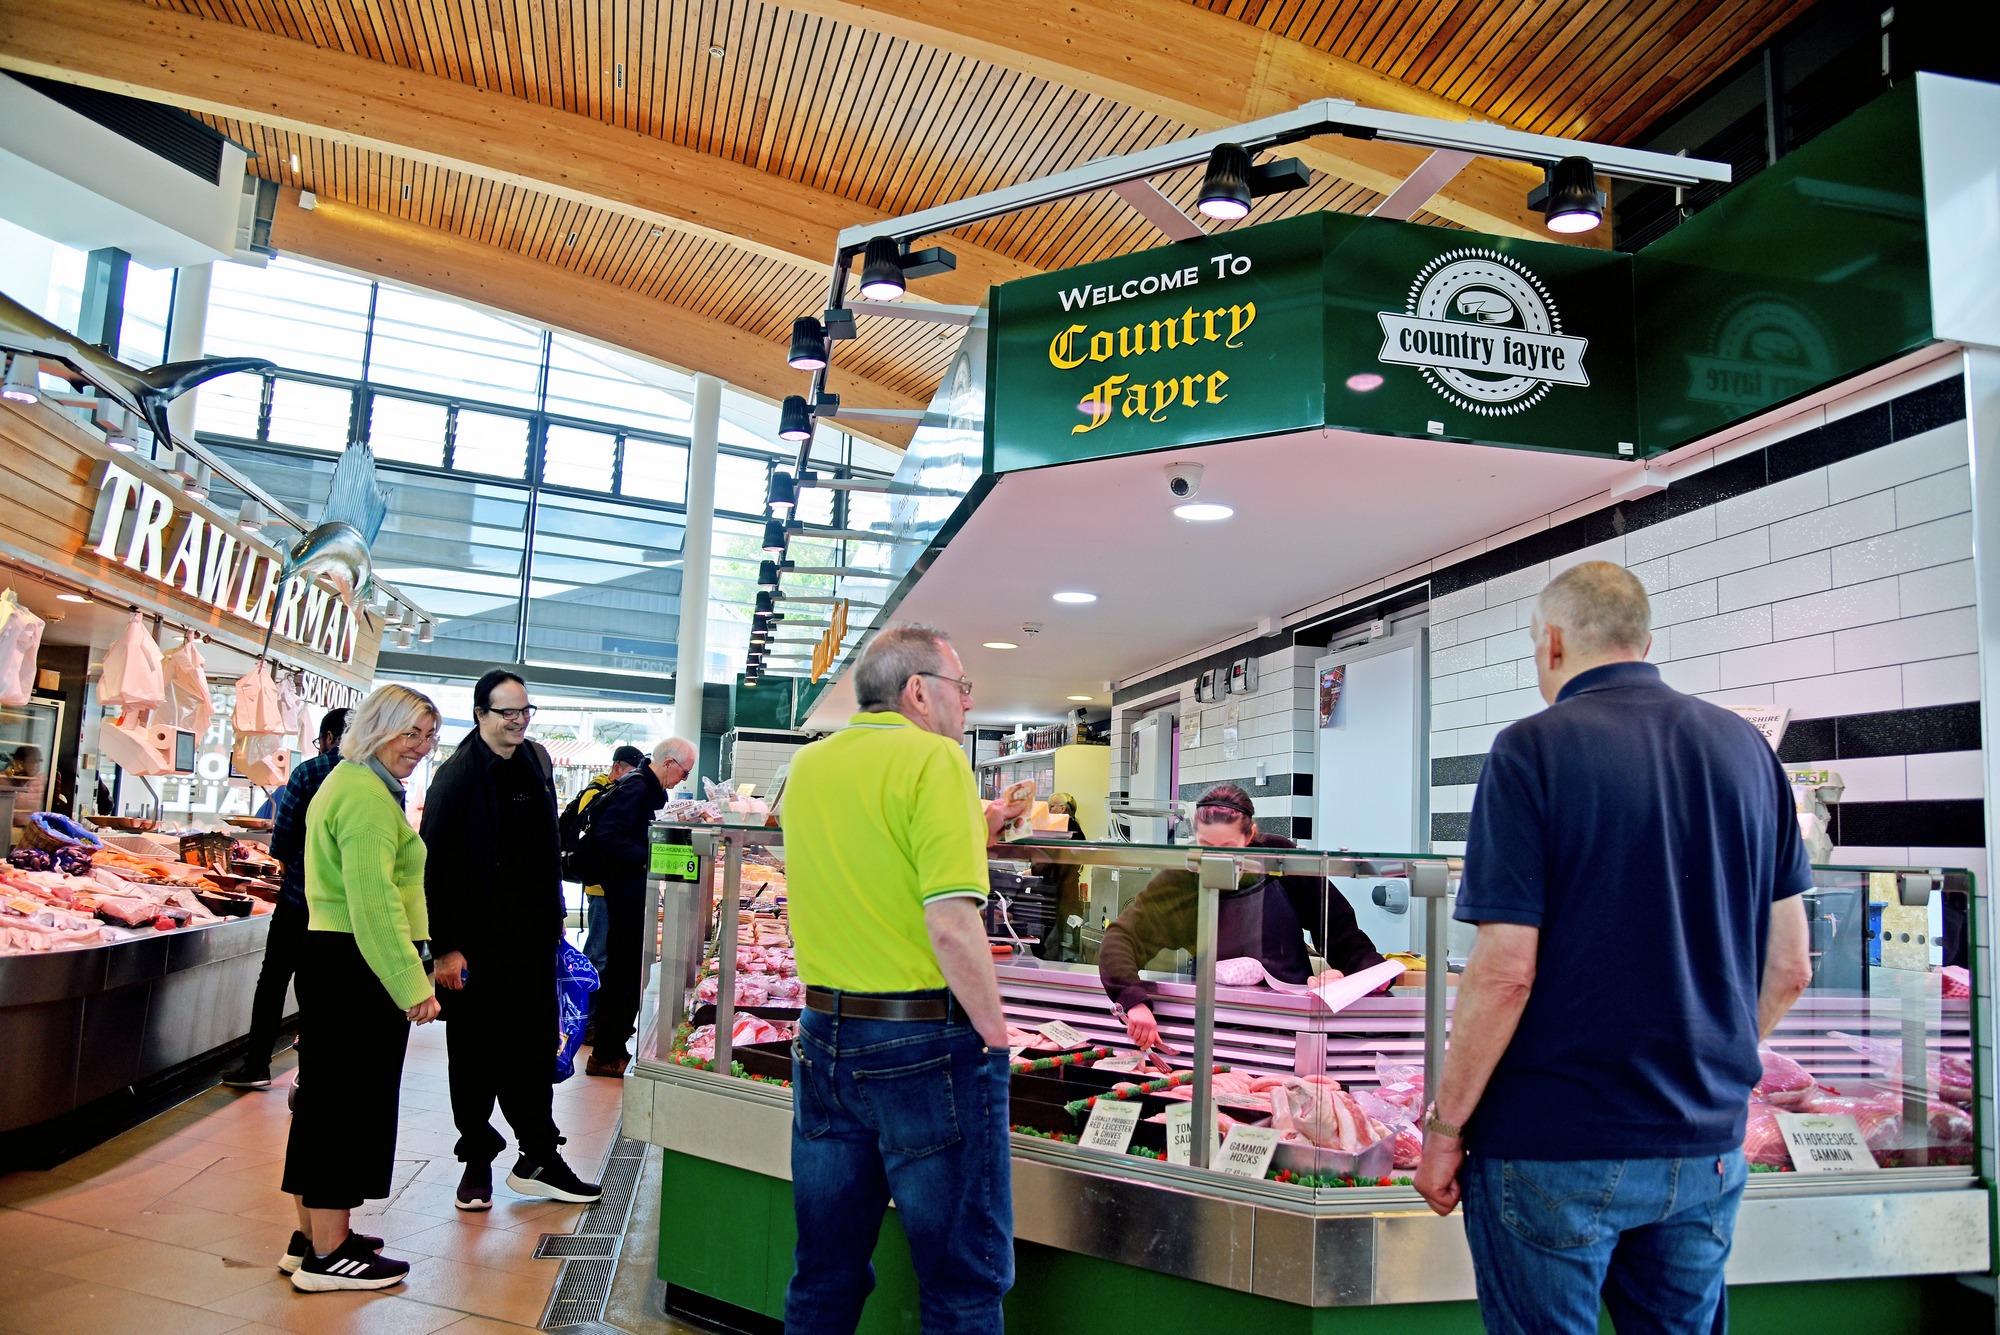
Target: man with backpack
614 852
576 818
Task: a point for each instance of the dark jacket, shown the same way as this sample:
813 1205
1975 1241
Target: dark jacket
1269 925
491 885
288 822
618 831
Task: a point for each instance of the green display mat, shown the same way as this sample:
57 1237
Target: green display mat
727 1233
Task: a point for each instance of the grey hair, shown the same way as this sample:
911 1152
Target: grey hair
1602 608
677 749
891 659
388 712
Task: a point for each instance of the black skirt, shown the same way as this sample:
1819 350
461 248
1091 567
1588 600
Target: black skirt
342 1148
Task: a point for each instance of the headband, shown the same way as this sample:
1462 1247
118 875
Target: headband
1227 802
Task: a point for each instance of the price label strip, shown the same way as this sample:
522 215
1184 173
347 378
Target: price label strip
1060 1034
1111 1125
1822 1144
1247 1152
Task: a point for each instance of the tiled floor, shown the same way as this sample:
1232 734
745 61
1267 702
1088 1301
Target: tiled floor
175 1228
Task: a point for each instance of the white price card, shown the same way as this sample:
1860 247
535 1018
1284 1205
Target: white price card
1014 1054
1247 1151
1822 1144
1060 1034
1111 1125
1180 1132
1770 720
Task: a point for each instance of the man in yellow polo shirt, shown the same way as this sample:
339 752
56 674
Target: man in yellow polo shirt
899 1074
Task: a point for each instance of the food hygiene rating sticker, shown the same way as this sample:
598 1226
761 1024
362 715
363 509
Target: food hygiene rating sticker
1485 333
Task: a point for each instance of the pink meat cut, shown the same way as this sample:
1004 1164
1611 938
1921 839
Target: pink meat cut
1785 1083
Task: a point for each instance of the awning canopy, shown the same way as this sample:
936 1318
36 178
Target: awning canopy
568 753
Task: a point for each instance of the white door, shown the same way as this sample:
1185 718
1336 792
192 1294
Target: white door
1370 793
1153 741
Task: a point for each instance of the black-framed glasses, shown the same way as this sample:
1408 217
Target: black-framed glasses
515 715
964 686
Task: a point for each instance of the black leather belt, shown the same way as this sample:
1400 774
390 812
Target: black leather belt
875 1006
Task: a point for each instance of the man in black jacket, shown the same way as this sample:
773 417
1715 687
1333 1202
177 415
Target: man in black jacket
618 852
493 886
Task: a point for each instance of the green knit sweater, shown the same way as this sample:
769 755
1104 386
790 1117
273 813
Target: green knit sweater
365 877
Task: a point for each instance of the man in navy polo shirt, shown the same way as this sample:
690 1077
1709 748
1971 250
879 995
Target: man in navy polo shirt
1634 865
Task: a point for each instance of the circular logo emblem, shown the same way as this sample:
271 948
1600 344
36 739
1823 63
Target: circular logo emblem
1486 289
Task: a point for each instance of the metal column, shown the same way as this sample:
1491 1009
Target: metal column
187 326
1218 873
727 914
696 547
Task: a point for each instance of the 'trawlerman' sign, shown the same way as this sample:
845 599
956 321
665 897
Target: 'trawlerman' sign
138 525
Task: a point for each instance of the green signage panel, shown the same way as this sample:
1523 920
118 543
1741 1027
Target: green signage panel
676 862
1324 320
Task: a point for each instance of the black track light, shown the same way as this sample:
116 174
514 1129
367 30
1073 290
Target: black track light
783 493
766 603
774 538
1569 197
767 575
882 270
808 344
795 420
1225 188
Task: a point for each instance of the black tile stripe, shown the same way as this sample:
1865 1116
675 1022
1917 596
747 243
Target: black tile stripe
1450 826
1274 785
1891 732
1958 823
1455 771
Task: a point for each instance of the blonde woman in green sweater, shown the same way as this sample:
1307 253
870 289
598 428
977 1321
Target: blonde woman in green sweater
361 985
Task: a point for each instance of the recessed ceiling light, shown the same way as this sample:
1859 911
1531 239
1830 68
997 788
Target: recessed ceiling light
1081 697
717 53
999 644
1364 382
72 598
1203 512
1075 596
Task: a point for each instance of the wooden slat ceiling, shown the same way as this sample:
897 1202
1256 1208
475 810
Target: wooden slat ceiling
897 125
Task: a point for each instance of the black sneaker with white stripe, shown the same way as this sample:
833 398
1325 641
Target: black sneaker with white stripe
300 1247
349 1266
552 1181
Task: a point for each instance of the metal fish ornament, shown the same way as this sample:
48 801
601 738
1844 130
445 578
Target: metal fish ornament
146 393
335 552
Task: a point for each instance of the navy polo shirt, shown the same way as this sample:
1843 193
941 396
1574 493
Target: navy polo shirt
1646 834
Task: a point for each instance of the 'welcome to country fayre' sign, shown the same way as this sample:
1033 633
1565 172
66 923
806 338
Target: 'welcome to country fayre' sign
139 526
1325 320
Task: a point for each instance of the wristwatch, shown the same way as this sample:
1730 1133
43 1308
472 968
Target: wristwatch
1435 1125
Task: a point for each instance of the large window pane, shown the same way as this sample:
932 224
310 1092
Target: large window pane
741 484
43 275
142 336
654 471
228 406
314 417
589 381
300 316
405 431
582 459
490 443
605 586
443 347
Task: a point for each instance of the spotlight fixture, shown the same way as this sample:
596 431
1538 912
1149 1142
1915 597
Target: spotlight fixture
767 575
180 468
774 539
23 383
428 634
882 270
809 350
198 485
403 637
251 517
783 493
795 419
1225 187
120 432
1569 197
765 602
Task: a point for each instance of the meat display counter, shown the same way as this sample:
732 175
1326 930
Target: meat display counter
1328 1220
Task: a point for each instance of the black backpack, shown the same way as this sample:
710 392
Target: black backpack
573 828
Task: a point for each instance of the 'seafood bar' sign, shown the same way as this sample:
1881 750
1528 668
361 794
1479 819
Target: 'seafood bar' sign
140 527
828 648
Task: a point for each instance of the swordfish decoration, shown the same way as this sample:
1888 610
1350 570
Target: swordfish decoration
335 552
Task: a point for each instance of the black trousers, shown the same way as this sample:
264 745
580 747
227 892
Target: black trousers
500 1035
281 962
342 1148
619 990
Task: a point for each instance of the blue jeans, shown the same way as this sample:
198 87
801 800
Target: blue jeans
1649 1236
597 933
910 1111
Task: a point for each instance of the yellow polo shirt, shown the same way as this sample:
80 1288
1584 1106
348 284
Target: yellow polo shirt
880 819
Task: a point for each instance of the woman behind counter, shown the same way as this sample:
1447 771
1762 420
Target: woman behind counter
361 985
1261 919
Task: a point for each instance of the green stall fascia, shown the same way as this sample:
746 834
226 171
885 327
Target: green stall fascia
1809 273
727 1234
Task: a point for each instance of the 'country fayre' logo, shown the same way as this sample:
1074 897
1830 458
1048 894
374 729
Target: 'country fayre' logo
1485 333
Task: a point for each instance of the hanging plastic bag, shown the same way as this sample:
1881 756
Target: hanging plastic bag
20 642
139 741
189 705
263 758
132 673
257 703
576 979
291 703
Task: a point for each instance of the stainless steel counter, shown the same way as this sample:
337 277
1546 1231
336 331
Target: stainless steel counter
1359 1247
76 1025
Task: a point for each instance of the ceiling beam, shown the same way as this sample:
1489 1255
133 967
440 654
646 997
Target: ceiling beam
207 65
424 257
1207 71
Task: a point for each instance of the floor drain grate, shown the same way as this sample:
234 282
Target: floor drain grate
589 1255
571 1247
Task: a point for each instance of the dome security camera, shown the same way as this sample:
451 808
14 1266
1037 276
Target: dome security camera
1183 479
